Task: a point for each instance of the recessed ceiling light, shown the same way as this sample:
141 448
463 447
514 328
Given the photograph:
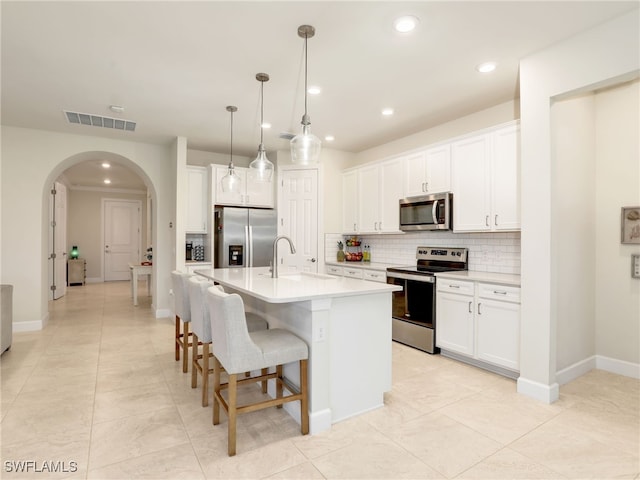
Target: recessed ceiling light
486 67
329 138
116 108
107 181
405 24
266 125
387 111
106 165
314 90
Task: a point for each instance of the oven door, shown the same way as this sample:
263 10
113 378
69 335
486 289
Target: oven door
413 312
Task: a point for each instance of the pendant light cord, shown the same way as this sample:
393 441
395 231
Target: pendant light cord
261 108
305 75
231 149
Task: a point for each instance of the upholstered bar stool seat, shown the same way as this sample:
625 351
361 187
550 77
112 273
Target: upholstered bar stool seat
182 308
238 350
201 328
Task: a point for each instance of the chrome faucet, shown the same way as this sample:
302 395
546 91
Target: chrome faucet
274 270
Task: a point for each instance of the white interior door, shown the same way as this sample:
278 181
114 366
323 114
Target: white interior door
59 241
298 211
122 237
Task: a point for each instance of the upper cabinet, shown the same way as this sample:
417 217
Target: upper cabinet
485 178
253 193
197 195
379 190
428 171
350 202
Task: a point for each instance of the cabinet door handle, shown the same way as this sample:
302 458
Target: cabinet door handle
354 227
470 307
426 186
479 312
496 220
486 220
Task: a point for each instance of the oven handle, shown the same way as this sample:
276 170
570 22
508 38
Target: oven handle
415 278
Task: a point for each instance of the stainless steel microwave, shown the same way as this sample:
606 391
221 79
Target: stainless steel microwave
427 212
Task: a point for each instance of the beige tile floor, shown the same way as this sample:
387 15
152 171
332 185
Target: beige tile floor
100 387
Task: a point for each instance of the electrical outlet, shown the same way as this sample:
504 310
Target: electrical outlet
319 332
635 266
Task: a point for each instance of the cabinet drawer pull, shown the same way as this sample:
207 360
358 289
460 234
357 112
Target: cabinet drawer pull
454 286
499 292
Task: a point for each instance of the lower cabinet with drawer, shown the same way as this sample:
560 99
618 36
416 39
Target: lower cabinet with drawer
358 272
479 322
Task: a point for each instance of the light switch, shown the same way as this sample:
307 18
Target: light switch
635 266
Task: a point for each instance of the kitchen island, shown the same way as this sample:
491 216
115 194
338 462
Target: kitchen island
346 323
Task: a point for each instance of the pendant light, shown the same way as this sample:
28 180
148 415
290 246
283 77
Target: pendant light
305 147
231 182
262 168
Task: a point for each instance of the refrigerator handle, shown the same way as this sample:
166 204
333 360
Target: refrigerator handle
250 246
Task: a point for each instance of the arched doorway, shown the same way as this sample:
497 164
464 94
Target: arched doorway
87 214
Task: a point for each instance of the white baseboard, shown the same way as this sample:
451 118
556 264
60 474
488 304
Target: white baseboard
31 325
576 370
612 365
94 280
163 313
539 391
621 367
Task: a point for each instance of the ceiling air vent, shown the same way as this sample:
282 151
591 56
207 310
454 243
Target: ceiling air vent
100 121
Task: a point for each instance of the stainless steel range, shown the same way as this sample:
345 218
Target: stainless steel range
414 308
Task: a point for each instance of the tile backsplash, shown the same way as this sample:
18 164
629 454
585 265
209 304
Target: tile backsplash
488 252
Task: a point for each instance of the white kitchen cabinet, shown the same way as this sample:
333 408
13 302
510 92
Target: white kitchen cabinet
333 270
350 202
498 325
479 320
454 316
197 200
192 267
428 171
357 271
485 181
253 193
379 191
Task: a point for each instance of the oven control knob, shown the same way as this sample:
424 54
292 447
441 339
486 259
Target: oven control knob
459 254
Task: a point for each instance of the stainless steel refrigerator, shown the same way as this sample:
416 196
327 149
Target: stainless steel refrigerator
244 236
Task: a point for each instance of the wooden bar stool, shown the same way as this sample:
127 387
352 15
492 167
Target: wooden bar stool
182 308
201 327
238 351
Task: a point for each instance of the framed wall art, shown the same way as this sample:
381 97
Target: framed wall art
630 225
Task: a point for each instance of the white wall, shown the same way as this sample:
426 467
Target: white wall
605 55
203 159
617 142
31 161
573 177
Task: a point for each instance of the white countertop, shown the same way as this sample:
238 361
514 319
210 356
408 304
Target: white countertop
295 287
489 277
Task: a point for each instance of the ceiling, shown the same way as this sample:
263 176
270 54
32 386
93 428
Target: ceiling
175 66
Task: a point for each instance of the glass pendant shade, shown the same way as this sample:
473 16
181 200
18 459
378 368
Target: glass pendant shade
305 147
231 182
262 168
